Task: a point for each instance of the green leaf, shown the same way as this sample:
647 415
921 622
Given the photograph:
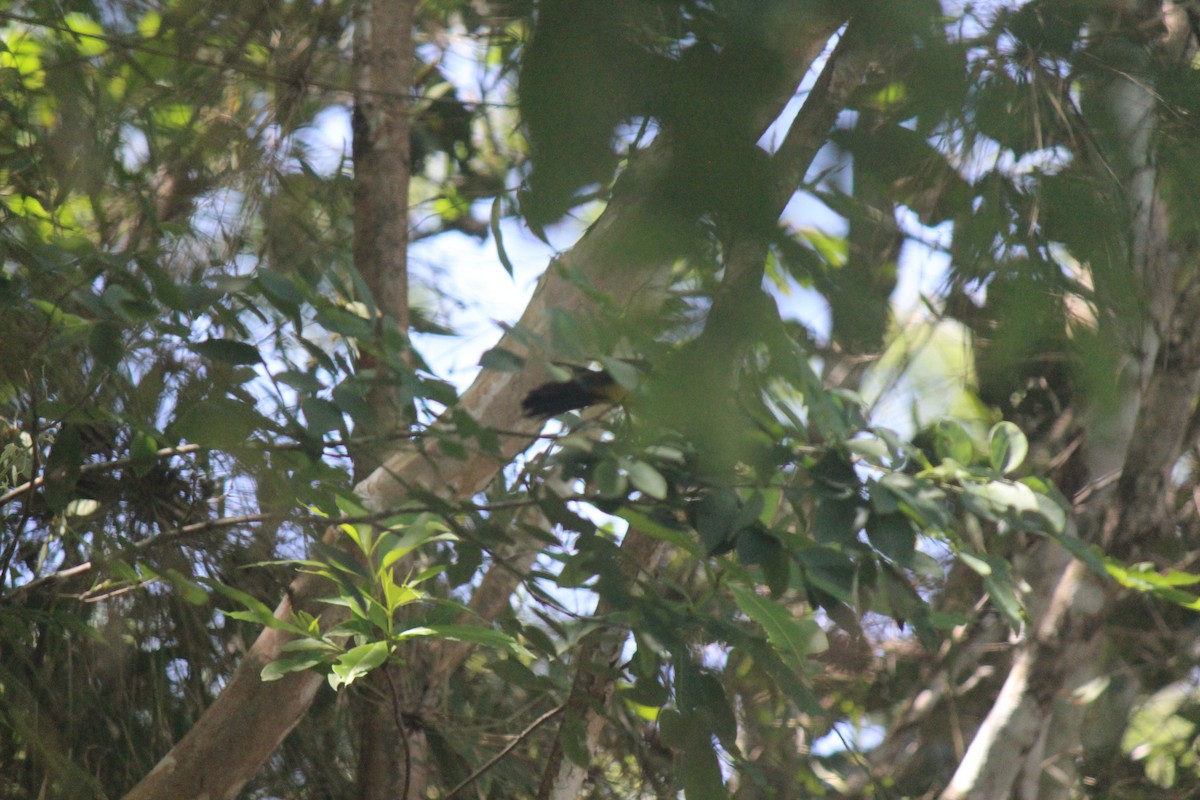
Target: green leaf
1146 578
81 508
659 530
421 532
670 727
398 595
715 711
785 677
358 661
713 516
701 770
188 590
647 480
777 575
296 663
834 520
308 645
321 416
829 570
978 565
280 290
896 597
219 423
472 634
647 692
893 535
494 224
512 671
1051 515
377 615
874 450
1007 447
58 317
452 205
63 467
338 560
257 611
143 450
573 737
923 504
951 441
501 360
622 372
345 322
795 640
1003 591
755 546
107 344
228 351
89 37
303 381
609 480
1000 499
173 116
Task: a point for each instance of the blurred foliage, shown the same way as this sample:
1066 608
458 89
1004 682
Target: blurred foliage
179 319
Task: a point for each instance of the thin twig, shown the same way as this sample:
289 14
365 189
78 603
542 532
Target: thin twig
402 728
494 760
241 67
184 449
187 531
99 466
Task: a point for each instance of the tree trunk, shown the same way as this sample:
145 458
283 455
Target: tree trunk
1145 436
383 75
383 103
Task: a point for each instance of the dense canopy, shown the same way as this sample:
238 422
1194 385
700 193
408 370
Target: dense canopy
846 444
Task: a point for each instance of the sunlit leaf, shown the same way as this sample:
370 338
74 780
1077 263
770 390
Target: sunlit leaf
647 480
356 662
472 634
1007 447
88 35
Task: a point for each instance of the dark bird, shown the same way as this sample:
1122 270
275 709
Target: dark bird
587 387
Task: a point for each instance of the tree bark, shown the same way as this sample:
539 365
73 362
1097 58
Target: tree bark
246 723
383 86
383 76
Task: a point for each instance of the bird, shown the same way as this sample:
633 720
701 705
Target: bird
585 388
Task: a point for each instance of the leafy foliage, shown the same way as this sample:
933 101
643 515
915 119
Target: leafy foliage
180 324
